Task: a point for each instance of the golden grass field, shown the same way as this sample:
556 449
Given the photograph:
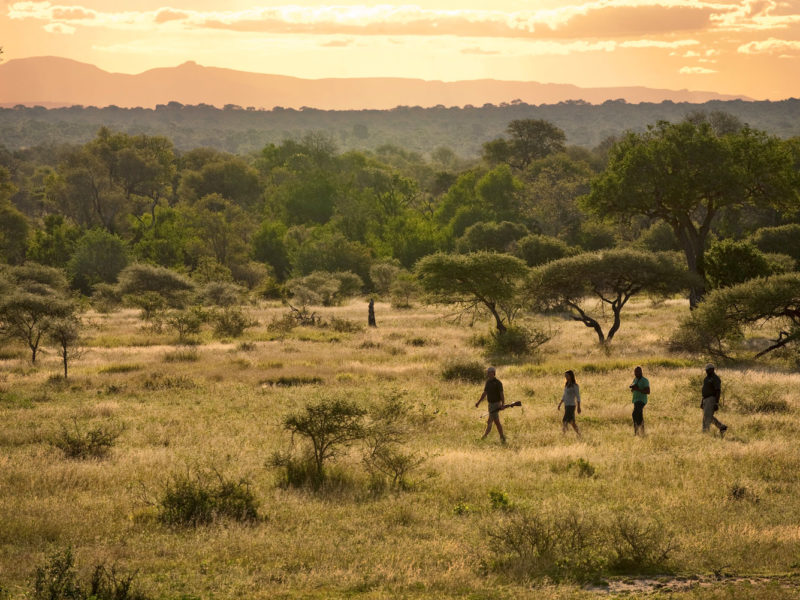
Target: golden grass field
730 507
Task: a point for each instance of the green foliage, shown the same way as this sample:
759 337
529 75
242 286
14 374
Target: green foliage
14 233
231 322
186 322
470 371
221 293
92 443
54 245
327 289
784 239
583 467
65 333
517 340
537 249
329 425
268 246
613 277
332 252
728 262
659 237
98 258
498 237
201 498
404 288
383 275
480 280
685 174
499 500
138 279
719 323
530 139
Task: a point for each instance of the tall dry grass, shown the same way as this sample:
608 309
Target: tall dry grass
730 505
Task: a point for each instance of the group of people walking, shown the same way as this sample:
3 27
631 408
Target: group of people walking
571 399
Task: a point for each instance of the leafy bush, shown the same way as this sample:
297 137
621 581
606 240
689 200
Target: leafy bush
187 322
470 371
516 340
202 498
728 262
344 325
404 288
499 500
99 257
231 322
182 355
94 443
639 545
285 381
539 249
221 293
784 239
583 467
763 400
57 579
329 425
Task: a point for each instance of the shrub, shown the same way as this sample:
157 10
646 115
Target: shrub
182 355
202 498
784 239
341 325
499 500
282 326
403 289
385 436
728 262
94 443
57 579
516 340
639 545
329 425
231 322
221 293
187 322
285 381
583 467
539 249
99 257
470 371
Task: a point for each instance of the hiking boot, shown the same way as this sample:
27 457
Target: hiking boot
722 431
503 441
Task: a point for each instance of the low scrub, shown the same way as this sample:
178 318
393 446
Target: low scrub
285 381
341 325
470 371
231 322
766 400
159 381
121 368
182 355
92 443
203 498
570 545
516 341
57 579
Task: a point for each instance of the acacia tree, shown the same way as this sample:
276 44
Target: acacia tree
65 333
721 319
34 296
530 139
685 173
473 281
613 277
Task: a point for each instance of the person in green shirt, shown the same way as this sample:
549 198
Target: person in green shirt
640 388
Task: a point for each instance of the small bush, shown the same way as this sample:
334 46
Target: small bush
499 500
159 381
57 579
231 322
583 467
639 545
344 325
417 342
462 508
285 381
187 322
282 326
123 368
94 443
469 371
295 472
516 340
200 499
765 400
182 355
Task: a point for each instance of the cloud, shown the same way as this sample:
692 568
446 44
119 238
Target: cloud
338 43
59 28
657 44
580 21
479 51
695 71
771 46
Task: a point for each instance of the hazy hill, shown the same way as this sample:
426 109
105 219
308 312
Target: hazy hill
52 82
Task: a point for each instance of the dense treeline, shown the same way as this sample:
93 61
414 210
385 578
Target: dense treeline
306 219
464 130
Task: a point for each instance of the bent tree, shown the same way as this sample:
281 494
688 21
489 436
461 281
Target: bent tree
684 174
474 281
613 277
721 320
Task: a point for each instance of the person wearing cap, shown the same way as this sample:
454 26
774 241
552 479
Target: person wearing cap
640 388
712 389
493 392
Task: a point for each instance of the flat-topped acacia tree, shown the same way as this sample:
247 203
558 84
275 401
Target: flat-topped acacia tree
612 276
476 280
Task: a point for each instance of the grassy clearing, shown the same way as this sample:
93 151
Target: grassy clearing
725 508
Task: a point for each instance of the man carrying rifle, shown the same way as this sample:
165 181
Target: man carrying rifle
493 392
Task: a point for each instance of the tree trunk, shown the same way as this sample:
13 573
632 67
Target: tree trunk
694 243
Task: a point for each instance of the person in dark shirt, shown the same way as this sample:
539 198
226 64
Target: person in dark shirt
493 392
712 389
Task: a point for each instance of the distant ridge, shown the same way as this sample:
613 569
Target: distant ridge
55 82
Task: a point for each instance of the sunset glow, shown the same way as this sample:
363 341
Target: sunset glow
749 47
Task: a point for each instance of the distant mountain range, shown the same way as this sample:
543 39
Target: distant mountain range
54 82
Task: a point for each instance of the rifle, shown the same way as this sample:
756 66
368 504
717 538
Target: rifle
505 406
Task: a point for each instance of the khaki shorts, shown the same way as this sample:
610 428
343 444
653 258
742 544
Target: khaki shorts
494 412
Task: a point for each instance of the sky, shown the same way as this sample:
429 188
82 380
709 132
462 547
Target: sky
747 47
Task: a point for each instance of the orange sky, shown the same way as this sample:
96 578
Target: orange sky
749 47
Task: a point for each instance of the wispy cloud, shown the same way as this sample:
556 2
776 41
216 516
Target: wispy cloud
696 71
597 19
771 46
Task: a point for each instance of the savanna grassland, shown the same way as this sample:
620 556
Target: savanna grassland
714 518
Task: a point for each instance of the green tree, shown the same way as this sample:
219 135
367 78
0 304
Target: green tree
530 139
612 276
139 279
684 174
538 249
472 281
54 245
269 247
98 258
720 321
65 333
35 296
784 239
498 237
728 262
330 425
